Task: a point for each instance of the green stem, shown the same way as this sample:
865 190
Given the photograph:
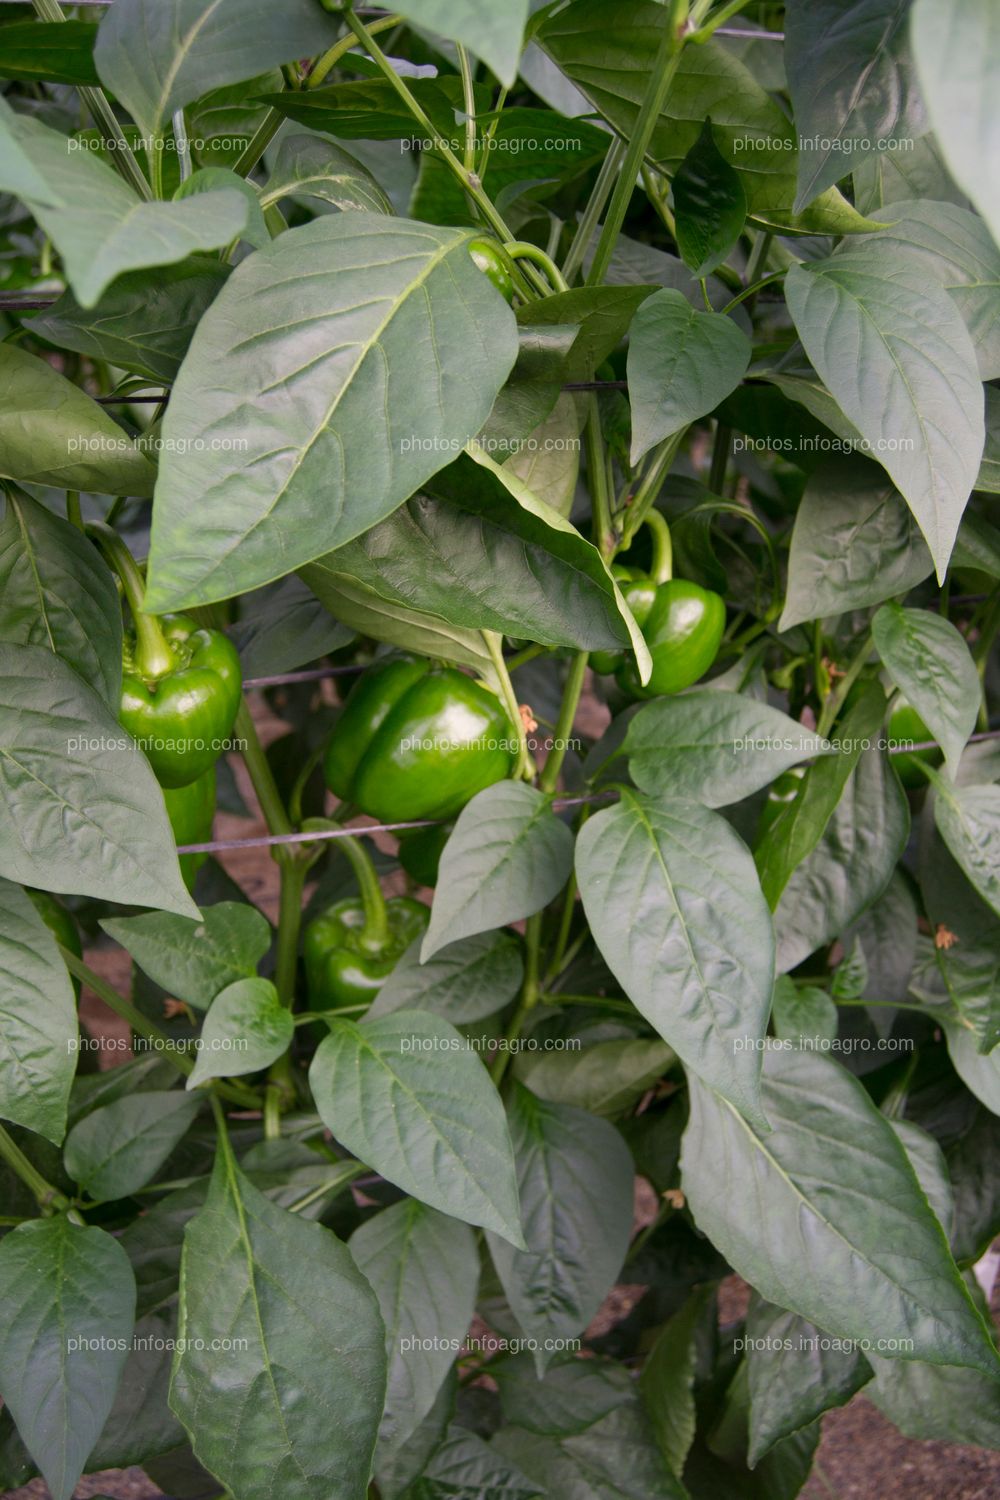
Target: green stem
469 101
562 933
591 216
494 645
47 1195
835 701
530 992
597 474
240 1094
754 288
96 101
153 657
293 874
261 776
375 936
758 259
662 569
183 144
720 458
662 76
652 482
524 249
894 1103
484 159
154 156
330 59
470 182
564 728
73 512
335 1184
258 142
719 19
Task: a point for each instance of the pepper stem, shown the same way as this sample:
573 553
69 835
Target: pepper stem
153 657
374 935
663 551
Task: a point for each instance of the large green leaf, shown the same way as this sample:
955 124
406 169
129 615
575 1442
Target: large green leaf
677 911
284 626
52 433
668 1377
606 1079
424 1269
956 47
247 1028
750 130
574 1394
312 1343
479 561
366 612
465 1465
852 85
38 1028
574 1176
824 1215
710 206
602 314
795 1372
854 543
465 981
407 1095
615 1459
850 866
194 960
158 55
493 33
799 824
143 322
307 167
936 1401
117 1149
98 224
80 809
508 856
69 1305
335 372
681 364
895 353
932 666
56 591
955 248
714 747
50 52
968 820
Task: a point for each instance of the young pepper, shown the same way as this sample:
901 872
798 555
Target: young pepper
191 810
415 741
681 622
489 260
351 948
181 703
181 684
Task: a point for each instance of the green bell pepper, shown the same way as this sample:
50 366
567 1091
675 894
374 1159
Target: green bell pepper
183 714
351 948
415 741
487 257
639 592
191 810
683 631
181 684
420 851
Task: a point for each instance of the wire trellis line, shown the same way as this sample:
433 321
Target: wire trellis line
367 830
364 830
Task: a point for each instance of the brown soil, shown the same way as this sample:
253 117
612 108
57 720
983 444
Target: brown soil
861 1455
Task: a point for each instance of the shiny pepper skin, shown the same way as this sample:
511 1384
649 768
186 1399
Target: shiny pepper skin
343 967
182 719
418 742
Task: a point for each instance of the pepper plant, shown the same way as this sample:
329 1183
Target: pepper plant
579 426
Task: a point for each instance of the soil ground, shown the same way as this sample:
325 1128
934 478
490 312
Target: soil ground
861 1455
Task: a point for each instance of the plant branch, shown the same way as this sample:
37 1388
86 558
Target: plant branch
591 215
564 728
494 644
662 76
47 1195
